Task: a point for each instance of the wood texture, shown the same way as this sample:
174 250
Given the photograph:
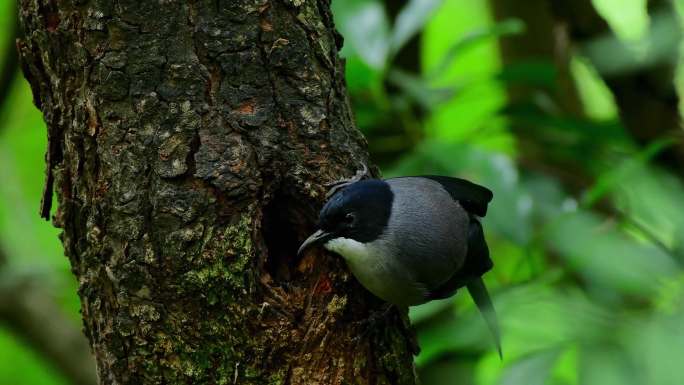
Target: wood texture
189 143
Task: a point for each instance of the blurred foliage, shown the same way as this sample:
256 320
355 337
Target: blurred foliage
588 281
586 229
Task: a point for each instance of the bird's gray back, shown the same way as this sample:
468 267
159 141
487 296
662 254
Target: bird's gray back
429 231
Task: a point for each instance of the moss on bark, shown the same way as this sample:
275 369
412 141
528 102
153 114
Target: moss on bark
188 144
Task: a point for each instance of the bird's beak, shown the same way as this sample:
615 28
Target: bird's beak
319 237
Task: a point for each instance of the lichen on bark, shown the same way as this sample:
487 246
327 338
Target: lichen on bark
189 146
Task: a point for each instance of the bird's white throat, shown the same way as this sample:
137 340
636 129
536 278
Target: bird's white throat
349 249
369 264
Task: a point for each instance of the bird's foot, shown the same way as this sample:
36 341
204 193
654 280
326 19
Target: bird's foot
336 186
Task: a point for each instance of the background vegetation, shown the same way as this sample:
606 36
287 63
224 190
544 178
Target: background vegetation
569 112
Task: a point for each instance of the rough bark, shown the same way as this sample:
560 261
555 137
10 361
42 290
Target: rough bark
189 143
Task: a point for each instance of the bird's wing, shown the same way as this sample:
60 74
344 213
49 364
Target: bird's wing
473 197
477 262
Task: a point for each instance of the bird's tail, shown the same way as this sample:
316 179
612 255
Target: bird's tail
478 291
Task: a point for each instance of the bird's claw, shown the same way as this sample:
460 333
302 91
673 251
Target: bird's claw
342 183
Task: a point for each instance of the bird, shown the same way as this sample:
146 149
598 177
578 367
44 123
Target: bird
410 240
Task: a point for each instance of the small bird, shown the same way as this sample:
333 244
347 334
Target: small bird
410 240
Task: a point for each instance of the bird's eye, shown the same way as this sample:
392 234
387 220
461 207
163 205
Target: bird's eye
349 218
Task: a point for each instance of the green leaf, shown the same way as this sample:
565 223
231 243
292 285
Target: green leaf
419 90
565 370
473 115
539 316
628 169
611 56
534 318
610 261
537 73
474 38
657 344
410 20
531 370
608 365
365 28
679 71
652 203
628 18
450 334
597 98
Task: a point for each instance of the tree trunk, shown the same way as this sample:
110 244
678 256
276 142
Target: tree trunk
189 143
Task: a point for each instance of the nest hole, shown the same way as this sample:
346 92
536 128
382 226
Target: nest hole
284 228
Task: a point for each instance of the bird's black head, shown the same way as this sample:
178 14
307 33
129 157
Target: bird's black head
359 212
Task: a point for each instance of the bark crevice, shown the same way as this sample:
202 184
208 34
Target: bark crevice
196 140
